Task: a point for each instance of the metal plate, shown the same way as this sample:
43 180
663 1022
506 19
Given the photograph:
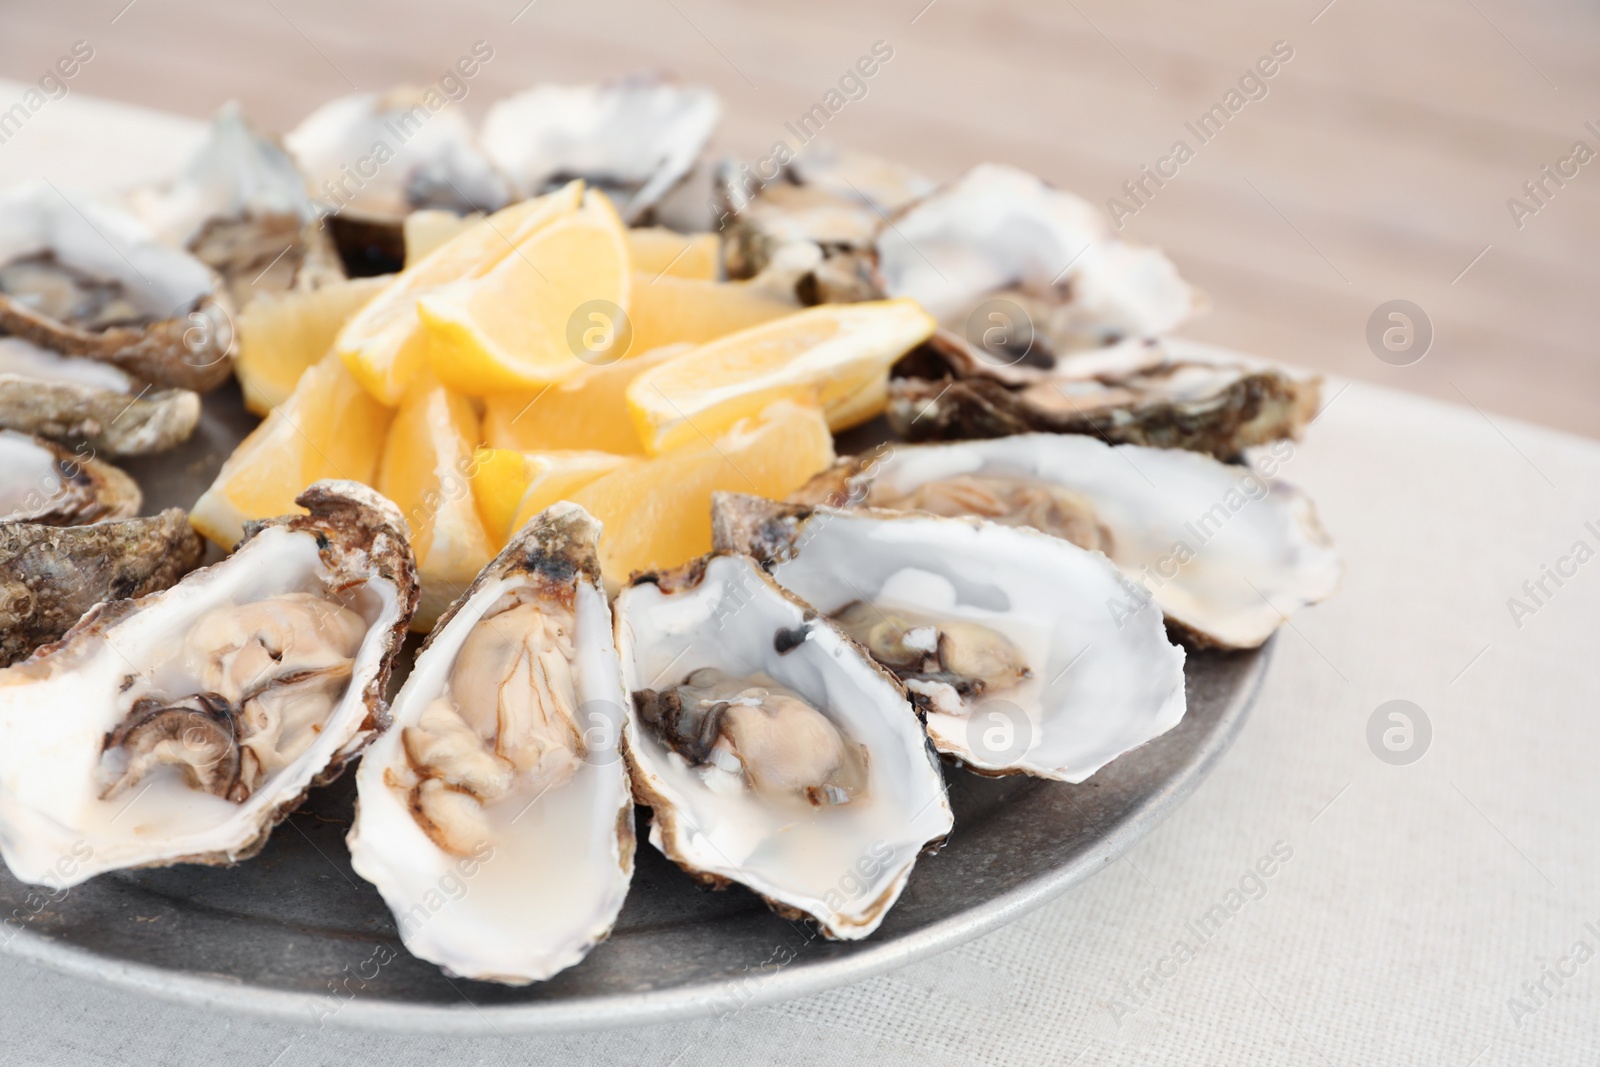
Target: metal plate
295 934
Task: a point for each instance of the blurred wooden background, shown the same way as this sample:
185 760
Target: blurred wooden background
1378 166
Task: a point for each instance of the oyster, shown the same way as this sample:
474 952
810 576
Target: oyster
1166 394
46 484
182 726
831 197
50 575
770 749
371 159
240 207
503 776
88 280
1002 635
1225 553
635 139
1001 242
79 399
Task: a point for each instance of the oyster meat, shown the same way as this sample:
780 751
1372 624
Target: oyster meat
634 139
75 398
1224 552
371 159
85 279
1002 635
999 250
240 206
503 773
1170 393
51 575
182 726
771 751
46 484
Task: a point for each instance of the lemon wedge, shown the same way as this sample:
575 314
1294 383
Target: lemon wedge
835 357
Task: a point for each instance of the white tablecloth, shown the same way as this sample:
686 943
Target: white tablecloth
1436 912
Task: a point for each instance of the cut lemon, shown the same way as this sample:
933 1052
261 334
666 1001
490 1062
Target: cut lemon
668 310
431 228
588 411
829 356
513 487
557 305
384 345
658 250
328 428
657 512
427 470
281 335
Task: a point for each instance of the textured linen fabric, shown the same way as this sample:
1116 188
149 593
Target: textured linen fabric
1415 915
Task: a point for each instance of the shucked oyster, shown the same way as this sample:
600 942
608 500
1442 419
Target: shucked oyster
999 238
634 139
241 207
771 751
87 280
1225 553
831 197
182 726
42 482
50 575
1001 635
74 398
371 159
1167 394
503 768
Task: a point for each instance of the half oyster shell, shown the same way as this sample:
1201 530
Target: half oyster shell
1165 394
181 727
1001 237
42 482
50 576
772 751
240 207
1223 551
88 280
78 399
634 139
1002 635
503 771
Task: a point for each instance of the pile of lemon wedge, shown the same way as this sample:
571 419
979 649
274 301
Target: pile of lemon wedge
548 352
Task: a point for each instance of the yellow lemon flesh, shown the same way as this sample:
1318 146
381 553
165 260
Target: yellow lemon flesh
836 357
513 487
328 428
427 471
282 335
657 250
384 344
559 303
657 512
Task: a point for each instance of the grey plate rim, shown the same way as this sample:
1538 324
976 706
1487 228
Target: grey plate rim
621 1011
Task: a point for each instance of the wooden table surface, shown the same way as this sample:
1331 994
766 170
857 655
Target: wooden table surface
1377 166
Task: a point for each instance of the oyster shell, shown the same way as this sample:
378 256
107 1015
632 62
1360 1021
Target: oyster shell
999 234
503 771
1002 635
771 750
1225 553
1166 394
635 139
44 483
371 159
77 399
50 575
828 196
207 709
88 280
240 207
